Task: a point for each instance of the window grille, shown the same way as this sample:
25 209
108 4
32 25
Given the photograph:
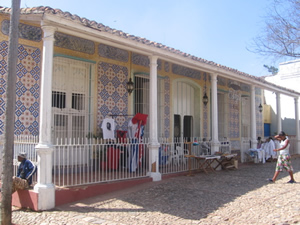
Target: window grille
142 104
222 116
72 99
245 116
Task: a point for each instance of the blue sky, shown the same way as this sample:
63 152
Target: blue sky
215 30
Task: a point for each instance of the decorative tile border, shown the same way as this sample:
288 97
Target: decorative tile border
185 71
257 91
245 87
222 81
143 60
235 85
167 113
26 31
140 60
74 43
110 52
167 66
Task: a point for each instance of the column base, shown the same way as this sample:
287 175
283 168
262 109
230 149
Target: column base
46 196
155 176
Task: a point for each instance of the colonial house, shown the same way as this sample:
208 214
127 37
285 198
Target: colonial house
288 76
73 74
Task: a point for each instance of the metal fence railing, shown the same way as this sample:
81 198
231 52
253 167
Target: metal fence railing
23 143
245 146
89 161
172 153
98 160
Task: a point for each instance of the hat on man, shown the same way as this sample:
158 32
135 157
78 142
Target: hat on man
22 155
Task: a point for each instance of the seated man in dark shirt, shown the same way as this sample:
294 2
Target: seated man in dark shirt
25 172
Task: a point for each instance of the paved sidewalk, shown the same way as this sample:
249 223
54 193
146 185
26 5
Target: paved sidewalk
242 196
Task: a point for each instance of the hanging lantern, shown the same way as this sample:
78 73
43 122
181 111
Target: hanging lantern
205 99
260 108
130 86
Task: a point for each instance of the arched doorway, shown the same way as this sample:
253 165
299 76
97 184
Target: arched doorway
186 110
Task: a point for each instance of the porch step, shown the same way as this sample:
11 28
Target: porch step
72 194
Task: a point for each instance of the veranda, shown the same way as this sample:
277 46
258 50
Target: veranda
90 161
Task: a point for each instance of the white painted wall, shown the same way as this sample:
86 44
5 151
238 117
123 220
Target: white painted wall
289 77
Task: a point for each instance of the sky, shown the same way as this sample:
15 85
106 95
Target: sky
215 30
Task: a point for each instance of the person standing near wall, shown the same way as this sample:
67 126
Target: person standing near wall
284 158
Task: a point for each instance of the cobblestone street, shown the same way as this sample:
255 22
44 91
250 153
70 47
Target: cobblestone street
242 196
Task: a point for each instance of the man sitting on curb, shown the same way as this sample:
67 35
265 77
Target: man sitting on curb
25 172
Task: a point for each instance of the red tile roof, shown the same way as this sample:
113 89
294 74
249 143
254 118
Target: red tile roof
99 26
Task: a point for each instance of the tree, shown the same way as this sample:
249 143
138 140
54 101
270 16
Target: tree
271 69
281 36
7 166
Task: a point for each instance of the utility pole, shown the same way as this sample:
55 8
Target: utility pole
9 122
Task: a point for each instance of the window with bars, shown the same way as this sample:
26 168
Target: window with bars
222 116
184 102
142 104
245 116
71 99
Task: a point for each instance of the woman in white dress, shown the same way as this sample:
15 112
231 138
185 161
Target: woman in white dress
284 158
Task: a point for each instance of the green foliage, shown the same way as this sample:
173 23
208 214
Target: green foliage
271 69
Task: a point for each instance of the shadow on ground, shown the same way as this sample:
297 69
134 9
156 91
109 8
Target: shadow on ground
188 197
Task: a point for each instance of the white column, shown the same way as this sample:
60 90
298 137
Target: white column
153 145
215 144
44 149
253 118
278 106
297 124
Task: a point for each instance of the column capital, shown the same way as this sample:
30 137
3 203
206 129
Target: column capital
214 76
48 32
153 58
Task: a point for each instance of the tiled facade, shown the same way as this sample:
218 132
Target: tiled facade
112 70
112 96
234 109
167 114
27 89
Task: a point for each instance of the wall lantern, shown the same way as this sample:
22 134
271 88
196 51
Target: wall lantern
130 85
260 108
205 99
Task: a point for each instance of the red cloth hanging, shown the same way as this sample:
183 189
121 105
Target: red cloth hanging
140 117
